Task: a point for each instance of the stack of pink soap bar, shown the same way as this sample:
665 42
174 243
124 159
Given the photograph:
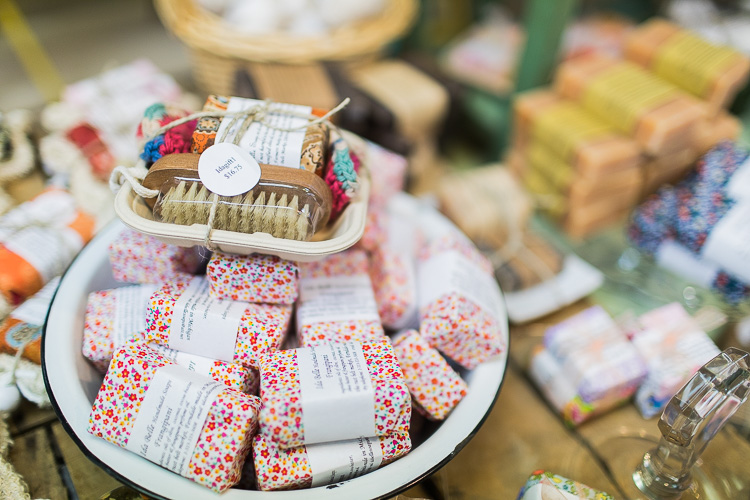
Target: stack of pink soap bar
282 416
139 258
336 301
253 278
435 387
330 413
222 439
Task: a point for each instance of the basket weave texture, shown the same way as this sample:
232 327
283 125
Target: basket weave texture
206 32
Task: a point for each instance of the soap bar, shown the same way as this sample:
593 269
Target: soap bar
253 278
461 309
543 485
295 468
140 258
182 315
112 318
297 410
314 147
393 271
590 145
710 132
222 438
667 169
714 73
435 387
23 326
337 303
657 115
624 183
38 240
674 348
595 355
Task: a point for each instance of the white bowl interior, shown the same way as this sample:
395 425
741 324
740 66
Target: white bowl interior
73 383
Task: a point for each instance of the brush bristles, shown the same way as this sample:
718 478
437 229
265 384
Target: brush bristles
249 213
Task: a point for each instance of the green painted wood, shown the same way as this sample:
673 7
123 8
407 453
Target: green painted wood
544 22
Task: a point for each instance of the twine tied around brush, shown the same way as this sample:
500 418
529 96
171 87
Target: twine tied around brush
135 175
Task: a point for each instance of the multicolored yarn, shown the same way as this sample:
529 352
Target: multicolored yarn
341 176
689 211
175 140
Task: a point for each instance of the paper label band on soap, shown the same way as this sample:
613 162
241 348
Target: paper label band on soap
228 170
171 417
338 298
402 240
728 243
343 460
203 325
676 258
621 94
48 250
131 303
338 400
557 171
34 310
738 187
192 362
564 127
451 272
268 144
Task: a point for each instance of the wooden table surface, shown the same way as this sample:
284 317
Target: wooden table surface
520 435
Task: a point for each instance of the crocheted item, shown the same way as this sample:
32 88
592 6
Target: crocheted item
341 176
175 140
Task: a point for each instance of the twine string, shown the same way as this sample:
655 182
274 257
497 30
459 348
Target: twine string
255 114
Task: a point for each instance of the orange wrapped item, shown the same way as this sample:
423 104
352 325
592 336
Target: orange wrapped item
711 72
38 240
589 144
659 116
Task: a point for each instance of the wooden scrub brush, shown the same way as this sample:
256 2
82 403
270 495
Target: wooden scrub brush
286 203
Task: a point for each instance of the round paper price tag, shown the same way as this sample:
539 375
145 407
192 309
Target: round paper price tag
228 170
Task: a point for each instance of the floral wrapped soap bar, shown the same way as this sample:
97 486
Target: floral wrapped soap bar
252 278
543 484
336 301
333 392
460 304
326 463
183 316
435 387
394 273
144 395
112 317
140 258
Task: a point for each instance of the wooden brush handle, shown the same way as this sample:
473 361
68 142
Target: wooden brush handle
185 166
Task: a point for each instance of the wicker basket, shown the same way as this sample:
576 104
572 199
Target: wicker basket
217 49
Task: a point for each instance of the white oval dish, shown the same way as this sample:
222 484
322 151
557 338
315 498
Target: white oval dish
72 384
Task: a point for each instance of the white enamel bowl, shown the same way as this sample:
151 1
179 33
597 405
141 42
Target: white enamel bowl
73 383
